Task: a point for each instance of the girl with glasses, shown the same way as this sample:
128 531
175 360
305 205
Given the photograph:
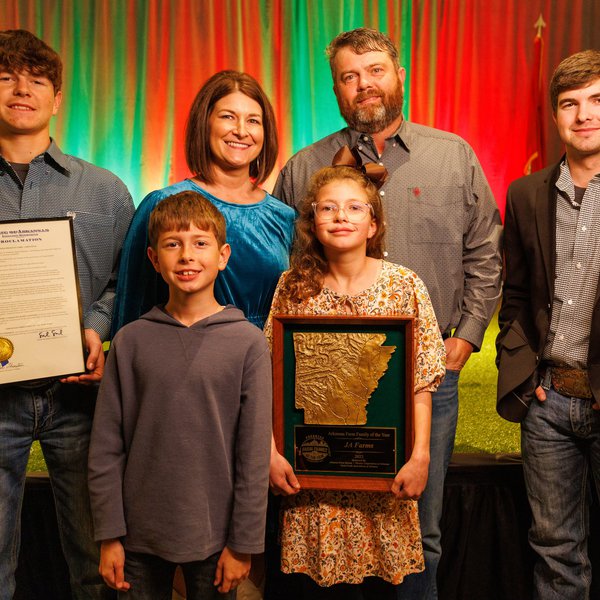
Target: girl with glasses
338 268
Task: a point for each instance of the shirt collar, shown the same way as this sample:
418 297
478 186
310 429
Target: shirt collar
403 135
53 156
56 156
565 184
564 177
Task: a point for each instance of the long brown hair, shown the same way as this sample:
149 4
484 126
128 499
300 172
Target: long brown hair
308 264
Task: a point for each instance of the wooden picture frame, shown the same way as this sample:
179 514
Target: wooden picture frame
41 318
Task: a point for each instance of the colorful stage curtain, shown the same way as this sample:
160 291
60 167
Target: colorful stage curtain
472 70
132 68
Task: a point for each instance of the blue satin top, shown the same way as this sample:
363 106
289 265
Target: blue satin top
260 236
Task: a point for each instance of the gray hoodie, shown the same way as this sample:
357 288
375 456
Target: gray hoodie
179 455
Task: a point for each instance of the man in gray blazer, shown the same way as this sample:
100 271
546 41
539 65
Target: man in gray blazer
549 341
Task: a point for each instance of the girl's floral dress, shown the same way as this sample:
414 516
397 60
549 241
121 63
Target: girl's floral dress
337 537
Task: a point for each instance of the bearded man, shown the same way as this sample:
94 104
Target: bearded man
442 222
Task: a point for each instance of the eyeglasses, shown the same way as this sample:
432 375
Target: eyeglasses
355 211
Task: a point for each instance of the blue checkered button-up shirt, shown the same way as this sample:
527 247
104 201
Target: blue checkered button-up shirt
59 185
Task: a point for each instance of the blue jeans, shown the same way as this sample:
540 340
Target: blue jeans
60 417
560 443
444 415
151 578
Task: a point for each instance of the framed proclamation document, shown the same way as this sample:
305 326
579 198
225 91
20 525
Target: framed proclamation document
343 398
41 332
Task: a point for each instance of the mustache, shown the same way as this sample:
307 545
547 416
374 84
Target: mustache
368 94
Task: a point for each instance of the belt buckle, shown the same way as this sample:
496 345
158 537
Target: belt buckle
571 382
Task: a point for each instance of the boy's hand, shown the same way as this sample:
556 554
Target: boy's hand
282 479
411 479
232 569
94 361
112 563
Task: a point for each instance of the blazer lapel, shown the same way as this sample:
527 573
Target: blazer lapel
545 220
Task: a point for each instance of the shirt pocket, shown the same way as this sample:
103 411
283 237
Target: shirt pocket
436 214
94 243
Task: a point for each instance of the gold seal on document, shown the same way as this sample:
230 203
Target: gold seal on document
6 349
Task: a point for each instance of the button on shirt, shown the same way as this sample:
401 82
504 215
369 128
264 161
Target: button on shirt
442 219
577 272
59 185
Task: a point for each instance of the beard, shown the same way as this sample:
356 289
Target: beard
374 117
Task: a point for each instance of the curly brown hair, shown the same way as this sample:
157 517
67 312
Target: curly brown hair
308 264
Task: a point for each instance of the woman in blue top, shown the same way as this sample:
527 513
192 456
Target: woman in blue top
231 147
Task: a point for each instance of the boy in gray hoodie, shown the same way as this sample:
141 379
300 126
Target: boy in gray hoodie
179 456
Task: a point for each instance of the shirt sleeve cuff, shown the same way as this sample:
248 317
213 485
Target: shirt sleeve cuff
99 323
471 330
110 532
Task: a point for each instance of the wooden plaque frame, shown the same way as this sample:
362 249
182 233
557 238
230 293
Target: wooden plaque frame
390 410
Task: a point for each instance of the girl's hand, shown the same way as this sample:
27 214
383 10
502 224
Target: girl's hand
282 479
411 479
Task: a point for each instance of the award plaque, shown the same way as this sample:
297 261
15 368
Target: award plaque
41 332
343 398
